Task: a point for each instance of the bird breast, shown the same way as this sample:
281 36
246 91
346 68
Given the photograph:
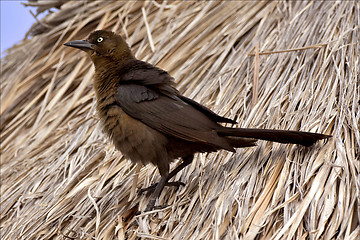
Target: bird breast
135 140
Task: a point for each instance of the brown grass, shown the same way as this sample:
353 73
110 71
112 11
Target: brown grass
62 179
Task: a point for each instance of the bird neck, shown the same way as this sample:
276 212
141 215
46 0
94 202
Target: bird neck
105 80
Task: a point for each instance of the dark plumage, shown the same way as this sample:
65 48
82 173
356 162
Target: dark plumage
150 122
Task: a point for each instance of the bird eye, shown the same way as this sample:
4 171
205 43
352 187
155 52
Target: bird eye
100 39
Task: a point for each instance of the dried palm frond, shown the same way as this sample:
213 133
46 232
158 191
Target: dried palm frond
61 178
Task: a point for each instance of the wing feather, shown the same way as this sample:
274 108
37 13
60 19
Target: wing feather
169 115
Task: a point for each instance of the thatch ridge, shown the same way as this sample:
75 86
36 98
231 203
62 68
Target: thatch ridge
61 178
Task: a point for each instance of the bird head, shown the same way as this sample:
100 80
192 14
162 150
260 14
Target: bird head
103 46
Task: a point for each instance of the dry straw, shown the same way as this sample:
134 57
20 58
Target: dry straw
62 179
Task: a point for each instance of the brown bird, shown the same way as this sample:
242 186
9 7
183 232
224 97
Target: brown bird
149 121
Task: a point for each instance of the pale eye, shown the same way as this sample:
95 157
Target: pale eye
100 39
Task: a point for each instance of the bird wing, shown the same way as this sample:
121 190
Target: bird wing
146 74
213 116
169 115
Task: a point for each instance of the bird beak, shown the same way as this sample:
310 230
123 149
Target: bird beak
81 44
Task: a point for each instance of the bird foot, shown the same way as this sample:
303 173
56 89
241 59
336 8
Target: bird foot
151 189
151 206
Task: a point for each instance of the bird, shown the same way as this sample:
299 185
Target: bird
149 121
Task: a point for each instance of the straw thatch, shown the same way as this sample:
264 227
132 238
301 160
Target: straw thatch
62 179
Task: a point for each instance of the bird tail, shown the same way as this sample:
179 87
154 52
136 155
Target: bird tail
240 142
281 136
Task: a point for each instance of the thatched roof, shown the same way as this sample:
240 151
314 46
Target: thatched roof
61 178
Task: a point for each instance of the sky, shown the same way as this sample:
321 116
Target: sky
16 20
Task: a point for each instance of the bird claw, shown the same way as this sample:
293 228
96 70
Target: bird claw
150 189
151 207
158 207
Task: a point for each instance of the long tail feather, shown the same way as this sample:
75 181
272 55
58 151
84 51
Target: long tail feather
281 136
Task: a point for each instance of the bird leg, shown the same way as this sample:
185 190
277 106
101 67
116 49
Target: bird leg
164 181
186 161
159 186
